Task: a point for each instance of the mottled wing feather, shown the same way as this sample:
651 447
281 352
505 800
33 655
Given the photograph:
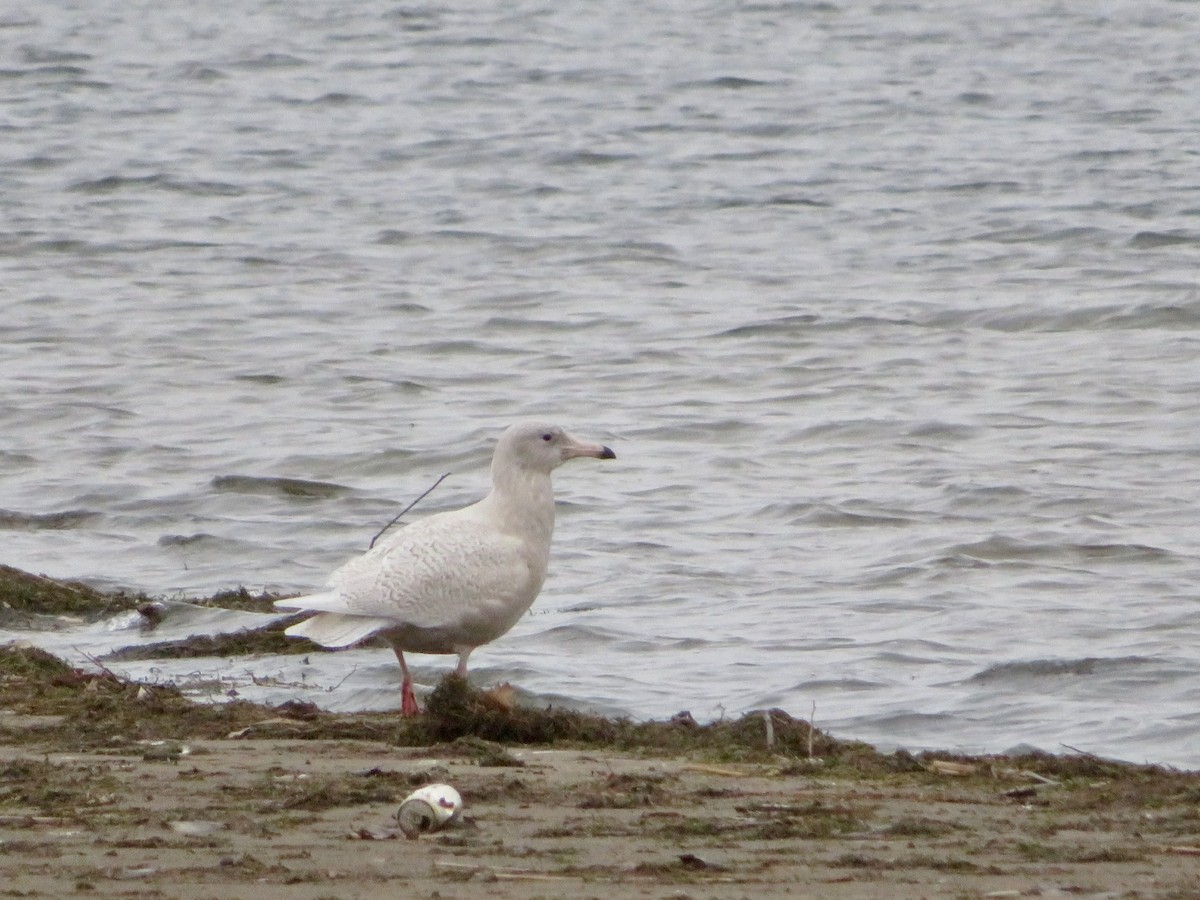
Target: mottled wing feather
434 572
337 629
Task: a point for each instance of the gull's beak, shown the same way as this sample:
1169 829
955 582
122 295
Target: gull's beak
574 447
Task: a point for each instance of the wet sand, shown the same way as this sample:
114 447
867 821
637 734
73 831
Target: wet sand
116 789
269 811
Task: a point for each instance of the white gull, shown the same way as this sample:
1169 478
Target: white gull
455 580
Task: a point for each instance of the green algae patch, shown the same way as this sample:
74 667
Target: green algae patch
268 640
296 488
456 710
240 598
100 709
24 596
100 703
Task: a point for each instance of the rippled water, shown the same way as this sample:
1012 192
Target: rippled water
889 310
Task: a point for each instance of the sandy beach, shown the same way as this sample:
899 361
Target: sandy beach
116 789
137 802
293 818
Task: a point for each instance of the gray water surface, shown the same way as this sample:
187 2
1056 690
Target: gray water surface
889 310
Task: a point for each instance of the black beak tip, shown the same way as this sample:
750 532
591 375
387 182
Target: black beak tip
606 453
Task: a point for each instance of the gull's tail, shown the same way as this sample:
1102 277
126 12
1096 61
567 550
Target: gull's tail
331 629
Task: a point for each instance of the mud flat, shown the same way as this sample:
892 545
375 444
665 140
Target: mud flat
117 789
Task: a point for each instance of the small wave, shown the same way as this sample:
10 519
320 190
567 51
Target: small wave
466 234
1149 240
809 322
1018 670
1002 549
400 384
1032 234
192 540
336 98
67 246
70 518
791 6
8 458
659 644
108 183
793 200
987 492
542 326
1019 319
726 82
633 251
39 161
72 71
111 183
1158 316
837 684
271 61
903 723
464 347
288 487
902 659
261 378
198 72
865 429
45 55
826 515
782 325
1009 319
972 187
574 634
588 158
943 430
395 236
774 200
977 98
833 517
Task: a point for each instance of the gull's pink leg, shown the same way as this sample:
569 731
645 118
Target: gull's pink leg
408 700
461 670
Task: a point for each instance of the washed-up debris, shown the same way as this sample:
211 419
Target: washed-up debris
196 827
427 809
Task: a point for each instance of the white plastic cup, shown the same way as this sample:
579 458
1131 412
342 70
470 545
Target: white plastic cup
431 808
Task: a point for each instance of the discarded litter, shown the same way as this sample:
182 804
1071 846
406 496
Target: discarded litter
430 808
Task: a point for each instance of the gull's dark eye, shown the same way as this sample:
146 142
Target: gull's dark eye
547 437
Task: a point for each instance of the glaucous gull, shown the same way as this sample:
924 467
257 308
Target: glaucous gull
454 580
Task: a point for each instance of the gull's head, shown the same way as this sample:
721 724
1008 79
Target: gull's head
538 447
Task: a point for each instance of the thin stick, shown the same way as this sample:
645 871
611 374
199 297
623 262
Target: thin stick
406 509
1077 750
812 717
99 665
348 674
712 770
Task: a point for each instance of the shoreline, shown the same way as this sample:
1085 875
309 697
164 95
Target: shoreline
109 787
